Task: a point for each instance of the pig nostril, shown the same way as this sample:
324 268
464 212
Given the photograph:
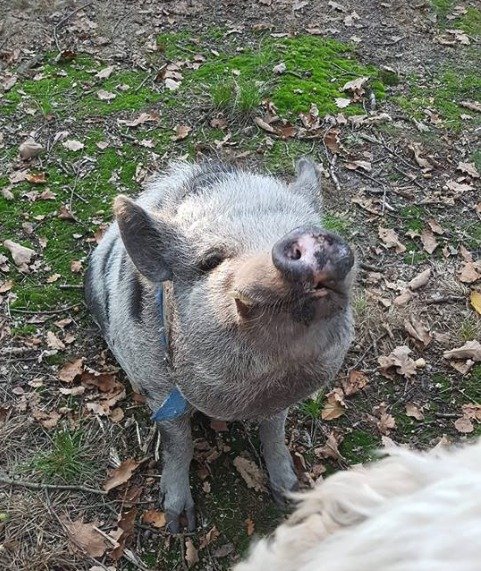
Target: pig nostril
294 254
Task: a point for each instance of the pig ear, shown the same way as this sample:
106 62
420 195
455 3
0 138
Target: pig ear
308 179
145 239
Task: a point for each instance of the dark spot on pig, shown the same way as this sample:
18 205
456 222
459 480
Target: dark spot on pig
136 297
304 313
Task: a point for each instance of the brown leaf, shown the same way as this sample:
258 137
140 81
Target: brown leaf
428 240
48 420
404 297
364 165
209 537
6 286
470 272
21 255
414 411
65 213
331 140
36 178
418 330
30 149
219 425
354 382
400 359
106 72
386 422
54 342
420 280
391 239
71 370
464 425
356 86
181 132
85 537
334 407
123 533
191 555
140 120
470 350
73 145
263 125
458 187
105 95
331 448
469 169
154 518
250 526
422 162
472 411
472 105
120 475
76 266
253 476
435 226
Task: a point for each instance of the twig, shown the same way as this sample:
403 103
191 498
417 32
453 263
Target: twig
332 164
16 350
63 20
370 267
70 286
39 486
406 175
446 414
445 299
45 311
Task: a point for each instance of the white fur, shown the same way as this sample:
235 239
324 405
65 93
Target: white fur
410 511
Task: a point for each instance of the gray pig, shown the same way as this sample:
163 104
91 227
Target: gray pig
218 291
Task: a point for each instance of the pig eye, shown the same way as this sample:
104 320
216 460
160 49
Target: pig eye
211 261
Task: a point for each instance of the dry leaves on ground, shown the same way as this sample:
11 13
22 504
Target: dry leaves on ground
86 537
122 474
253 476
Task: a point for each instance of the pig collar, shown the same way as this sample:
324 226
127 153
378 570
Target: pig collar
175 404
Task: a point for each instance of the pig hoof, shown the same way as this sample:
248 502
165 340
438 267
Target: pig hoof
281 497
173 521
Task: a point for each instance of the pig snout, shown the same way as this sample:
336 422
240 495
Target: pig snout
313 256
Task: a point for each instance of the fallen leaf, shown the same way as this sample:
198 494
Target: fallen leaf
250 526
105 95
54 342
76 266
354 382
386 422
422 162
364 165
172 84
6 286
472 105
181 132
140 120
21 255
356 85
428 240
404 297
154 518
470 350
223 550
191 555
209 537
74 391
30 149
36 177
331 140
86 537
474 298
105 73
123 533
342 102
418 330
280 68
458 187
391 239
334 407
435 226
472 411
53 278
420 280
469 169
464 425
470 272
219 425
398 358
71 370
331 448
263 125
120 475
48 420
414 411
253 476
73 145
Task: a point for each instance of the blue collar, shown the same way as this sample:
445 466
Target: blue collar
175 404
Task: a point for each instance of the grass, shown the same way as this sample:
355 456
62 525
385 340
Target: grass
469 329
359 446
68 460
312 407
470 22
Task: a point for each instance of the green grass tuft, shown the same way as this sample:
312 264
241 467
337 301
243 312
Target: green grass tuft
68 459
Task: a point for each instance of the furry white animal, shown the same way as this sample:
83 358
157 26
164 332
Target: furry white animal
410 511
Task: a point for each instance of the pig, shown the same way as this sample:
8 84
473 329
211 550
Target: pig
218 290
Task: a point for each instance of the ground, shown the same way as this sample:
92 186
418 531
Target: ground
112 91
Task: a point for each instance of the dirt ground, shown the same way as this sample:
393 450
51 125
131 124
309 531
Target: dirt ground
103 94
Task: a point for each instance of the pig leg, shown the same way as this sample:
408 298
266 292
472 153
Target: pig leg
177 453
279 463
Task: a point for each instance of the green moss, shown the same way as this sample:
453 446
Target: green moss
25 330
358 446
337 224
282 155
317 68
443 95
471 384
63 86
412 218
470 22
